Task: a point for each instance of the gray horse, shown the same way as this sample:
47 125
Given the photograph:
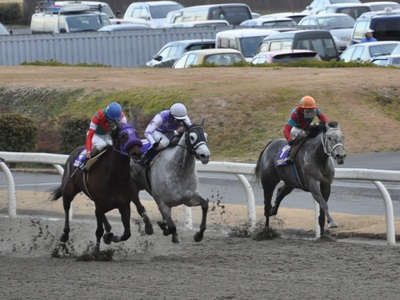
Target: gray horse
172 178
312 171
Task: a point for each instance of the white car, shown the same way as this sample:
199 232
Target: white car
382 5
339 25
317 5
366 52
271 22
387 60
219 57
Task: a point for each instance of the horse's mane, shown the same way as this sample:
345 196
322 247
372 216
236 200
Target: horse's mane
314 129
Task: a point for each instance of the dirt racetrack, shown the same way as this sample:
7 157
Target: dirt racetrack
227 264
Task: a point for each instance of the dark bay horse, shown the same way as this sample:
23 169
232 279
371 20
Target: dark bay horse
312 171
172 179
108 183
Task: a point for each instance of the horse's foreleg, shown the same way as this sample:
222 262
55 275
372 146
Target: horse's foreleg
148 227
195 201
167 225
321 195
126 219
283 191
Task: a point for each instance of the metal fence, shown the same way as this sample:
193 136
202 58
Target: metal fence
116 49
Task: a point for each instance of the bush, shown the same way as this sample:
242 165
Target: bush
10 13
73 133
18 133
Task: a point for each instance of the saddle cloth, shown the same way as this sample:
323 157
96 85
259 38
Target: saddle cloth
82 156
282 154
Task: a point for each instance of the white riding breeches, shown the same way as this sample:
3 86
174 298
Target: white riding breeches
164 139
101 141
295 131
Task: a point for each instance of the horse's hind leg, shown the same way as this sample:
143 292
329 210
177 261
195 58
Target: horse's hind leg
148 227
282 192
67 199
268 188
195 201
100 229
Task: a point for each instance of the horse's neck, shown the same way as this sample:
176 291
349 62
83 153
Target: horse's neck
317 149
118 166
182 154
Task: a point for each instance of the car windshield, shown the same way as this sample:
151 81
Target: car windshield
249 45
336 22
81 23
160 12
223 59
379 50
3 30
396 50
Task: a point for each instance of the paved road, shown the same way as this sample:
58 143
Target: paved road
355 197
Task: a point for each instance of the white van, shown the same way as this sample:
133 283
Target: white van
233 13
68 18
246 41
152 13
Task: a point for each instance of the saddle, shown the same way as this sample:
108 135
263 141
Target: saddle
79 160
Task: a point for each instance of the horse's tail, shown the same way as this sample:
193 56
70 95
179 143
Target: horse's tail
257 169
56 194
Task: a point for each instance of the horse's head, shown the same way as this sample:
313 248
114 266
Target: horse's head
196 142
125 140
333 141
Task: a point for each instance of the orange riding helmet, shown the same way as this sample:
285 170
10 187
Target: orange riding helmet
307 102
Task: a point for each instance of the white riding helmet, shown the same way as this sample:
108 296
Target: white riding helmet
178 111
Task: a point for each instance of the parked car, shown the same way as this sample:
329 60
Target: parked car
320 41
292 15
152 13
233 13
339 25
386 26
246 40
69 18
219 57
354 10
396 50
387 60
171 51
365 52
382 5
269 22
4 30
317 5
284 56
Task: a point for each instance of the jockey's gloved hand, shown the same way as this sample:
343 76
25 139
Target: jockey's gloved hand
291 142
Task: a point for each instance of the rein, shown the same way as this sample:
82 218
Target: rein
324 141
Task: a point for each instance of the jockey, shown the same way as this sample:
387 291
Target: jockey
101 124
300 118
166 126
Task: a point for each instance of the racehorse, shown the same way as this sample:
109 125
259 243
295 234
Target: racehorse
312 171
172 179
107 183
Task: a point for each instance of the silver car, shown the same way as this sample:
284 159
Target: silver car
339 25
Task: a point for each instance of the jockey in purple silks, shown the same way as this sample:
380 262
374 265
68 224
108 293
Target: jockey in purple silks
167 125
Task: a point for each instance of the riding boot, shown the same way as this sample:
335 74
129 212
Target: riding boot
146 157
298 141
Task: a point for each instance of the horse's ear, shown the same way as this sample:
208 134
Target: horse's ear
202 122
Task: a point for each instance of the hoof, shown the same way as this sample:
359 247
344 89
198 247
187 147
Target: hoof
148 228
64 238
107 237
332 224
163 227
198 237
176 239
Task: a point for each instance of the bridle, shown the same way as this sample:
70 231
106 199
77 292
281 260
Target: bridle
201 140
324 140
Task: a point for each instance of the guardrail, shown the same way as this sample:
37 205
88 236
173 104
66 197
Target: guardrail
239 169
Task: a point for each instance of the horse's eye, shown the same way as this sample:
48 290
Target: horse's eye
193 137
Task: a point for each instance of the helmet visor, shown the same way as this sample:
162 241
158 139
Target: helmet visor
310 113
